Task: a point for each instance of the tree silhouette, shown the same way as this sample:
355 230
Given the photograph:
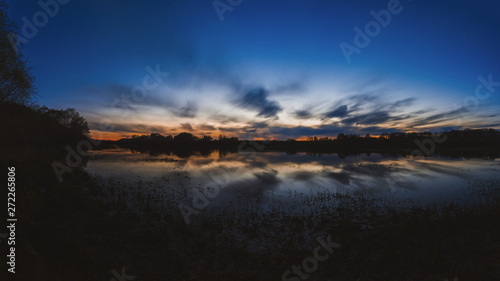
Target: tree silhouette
70 119
185 138
16 82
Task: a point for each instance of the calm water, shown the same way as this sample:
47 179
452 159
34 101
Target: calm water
280 175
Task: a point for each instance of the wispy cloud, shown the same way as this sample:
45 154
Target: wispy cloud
188 111
340 111
257 99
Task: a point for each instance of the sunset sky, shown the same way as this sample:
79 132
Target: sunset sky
268 69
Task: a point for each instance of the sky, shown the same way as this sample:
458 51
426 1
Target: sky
265 69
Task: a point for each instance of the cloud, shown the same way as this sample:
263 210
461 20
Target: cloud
126 128
206 127
189 111
446 116
340 111
371 118
403 103
187 126
257 99
377 130
222 118
363 100
292 87
302 114
230 129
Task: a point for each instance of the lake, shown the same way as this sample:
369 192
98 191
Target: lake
262 176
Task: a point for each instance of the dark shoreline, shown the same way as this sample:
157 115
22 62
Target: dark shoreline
485 152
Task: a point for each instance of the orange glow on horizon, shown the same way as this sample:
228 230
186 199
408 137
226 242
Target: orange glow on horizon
114 136
111 136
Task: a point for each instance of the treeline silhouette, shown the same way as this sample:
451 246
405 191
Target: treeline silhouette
40 126
455 139
181 141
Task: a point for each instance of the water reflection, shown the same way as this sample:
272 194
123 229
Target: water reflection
280 174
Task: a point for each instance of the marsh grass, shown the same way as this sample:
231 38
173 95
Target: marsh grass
84 227
382 239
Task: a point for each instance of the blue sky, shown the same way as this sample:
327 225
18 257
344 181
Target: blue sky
269 68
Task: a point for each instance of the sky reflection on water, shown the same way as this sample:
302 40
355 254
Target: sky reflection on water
280 175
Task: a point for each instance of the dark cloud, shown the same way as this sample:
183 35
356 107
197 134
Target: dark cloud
380 113
419 112
292 87
206 127
361 100
221 118
446 116
372 118
403 103
189 111
302 114
257 99
259 125
187 126
340 111
377 130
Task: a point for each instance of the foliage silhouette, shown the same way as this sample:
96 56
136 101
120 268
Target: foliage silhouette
455 143
16 81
